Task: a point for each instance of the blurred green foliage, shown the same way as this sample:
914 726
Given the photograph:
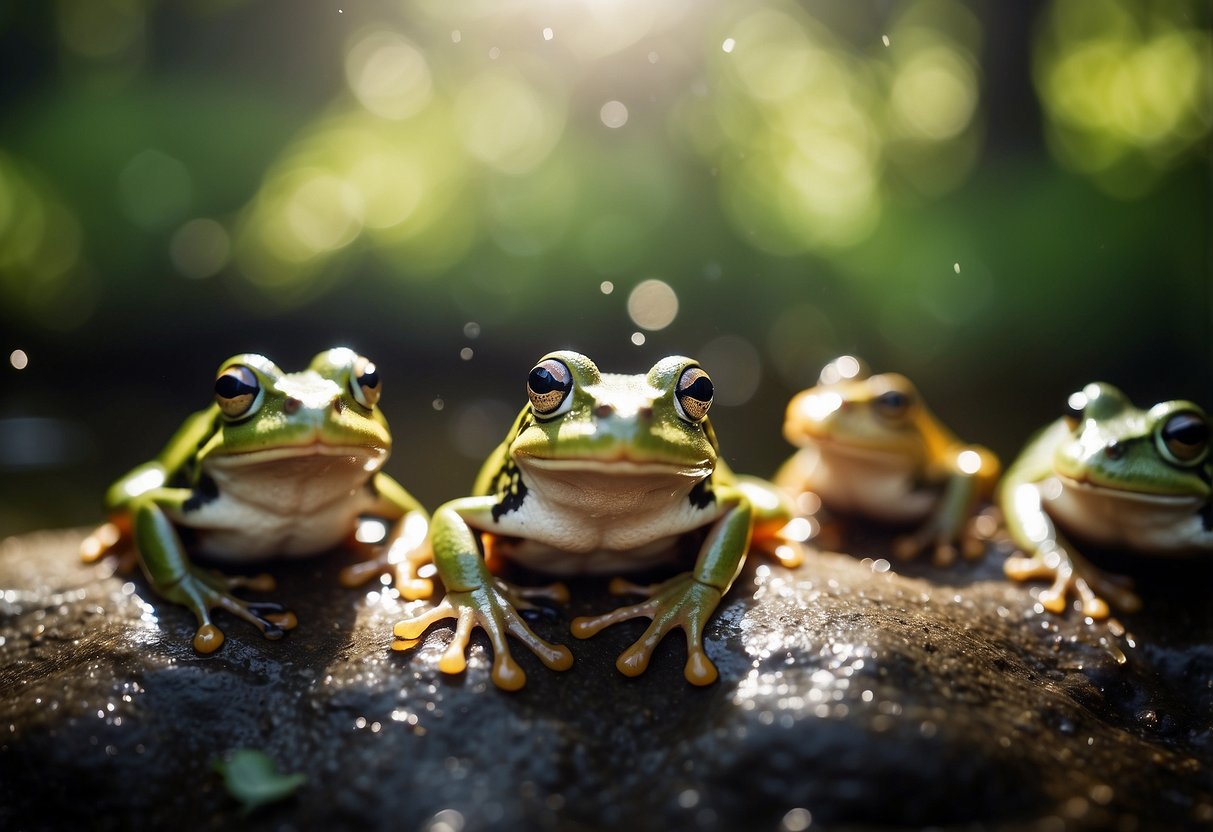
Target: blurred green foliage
1003 201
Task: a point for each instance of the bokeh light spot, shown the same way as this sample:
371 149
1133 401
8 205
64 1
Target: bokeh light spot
735 367
614 114
199 248
506 122
652 305
18 359
154 189
388 74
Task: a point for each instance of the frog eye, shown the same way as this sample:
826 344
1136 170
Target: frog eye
693 395
236 391
1184 438
548 387
893 405
365 384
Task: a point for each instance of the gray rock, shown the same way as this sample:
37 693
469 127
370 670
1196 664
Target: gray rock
851 696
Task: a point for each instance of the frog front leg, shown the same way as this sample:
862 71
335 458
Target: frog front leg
170 573
404 550
687 600
475 598
1050 555
970 475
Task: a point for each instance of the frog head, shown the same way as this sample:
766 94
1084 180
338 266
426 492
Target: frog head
1162 452
854 413
582 420
264 415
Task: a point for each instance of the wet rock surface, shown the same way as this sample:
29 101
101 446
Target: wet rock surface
851 696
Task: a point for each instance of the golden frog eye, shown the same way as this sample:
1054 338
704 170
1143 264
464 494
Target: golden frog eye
548 387
236 390
693 395
365 384
1184 438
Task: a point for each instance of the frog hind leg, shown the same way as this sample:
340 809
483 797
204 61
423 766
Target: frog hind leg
401 560
111 538
170 573
774 529
406 548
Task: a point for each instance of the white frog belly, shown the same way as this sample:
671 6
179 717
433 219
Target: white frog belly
871 484
287 508
593 525
231 530
1153 525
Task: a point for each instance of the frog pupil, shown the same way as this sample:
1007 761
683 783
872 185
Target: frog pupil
542 381
229 387
700 389
369 379
1186 431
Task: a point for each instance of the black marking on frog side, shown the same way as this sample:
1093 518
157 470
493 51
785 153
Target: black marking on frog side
702 495
510 490
204 492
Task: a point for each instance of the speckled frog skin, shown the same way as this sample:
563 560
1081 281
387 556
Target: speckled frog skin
870 447
1112 475
280 465
601 473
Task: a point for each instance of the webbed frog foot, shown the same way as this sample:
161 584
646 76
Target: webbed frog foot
682 602
110 539
943 540
202 591
494 608
402 558
404 569
1072 573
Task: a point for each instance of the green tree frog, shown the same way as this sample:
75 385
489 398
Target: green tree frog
600 473
870 447
1113 476
279 465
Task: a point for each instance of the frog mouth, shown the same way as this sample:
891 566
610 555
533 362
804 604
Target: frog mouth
1114 492
315 447
854 449
619 465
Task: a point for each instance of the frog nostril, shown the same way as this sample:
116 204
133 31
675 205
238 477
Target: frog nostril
1114 450
603 410
291 405
645 412
338 405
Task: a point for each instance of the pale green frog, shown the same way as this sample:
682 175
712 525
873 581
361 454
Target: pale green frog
279 465
871 448
1113 476
600 473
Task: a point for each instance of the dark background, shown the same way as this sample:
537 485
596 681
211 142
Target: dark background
183 181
